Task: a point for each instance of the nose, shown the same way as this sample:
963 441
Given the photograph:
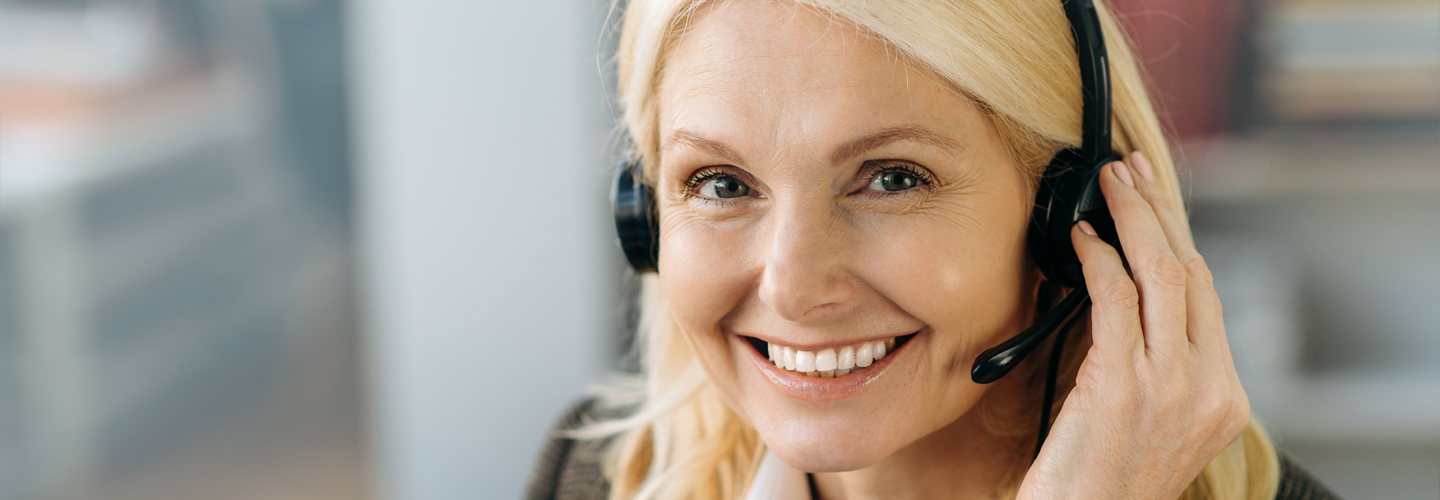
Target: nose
804 278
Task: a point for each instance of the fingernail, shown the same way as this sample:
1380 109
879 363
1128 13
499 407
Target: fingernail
1086 228
1123 173
1142 165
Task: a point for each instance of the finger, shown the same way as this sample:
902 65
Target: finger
1115 313
1172 221
1158 275
1141 164
1204 319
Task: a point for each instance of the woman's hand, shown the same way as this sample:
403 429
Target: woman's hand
1157 397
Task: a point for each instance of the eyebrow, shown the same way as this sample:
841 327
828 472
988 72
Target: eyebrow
714 148
842 154
887 136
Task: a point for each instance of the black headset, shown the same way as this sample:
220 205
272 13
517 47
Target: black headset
1069 192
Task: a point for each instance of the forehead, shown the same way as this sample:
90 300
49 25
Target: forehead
774 64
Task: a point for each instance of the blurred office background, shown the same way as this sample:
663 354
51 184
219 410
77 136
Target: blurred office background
177 304
343 250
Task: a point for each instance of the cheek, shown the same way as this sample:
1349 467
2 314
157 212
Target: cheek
704 275
965 280
968 275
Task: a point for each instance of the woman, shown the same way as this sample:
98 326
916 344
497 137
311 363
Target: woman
844 190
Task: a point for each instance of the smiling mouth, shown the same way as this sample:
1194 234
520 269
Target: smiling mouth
829 363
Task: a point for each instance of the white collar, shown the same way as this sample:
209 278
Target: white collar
776 480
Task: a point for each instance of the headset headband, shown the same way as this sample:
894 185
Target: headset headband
1094 80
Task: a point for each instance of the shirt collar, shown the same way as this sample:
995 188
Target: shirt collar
776 480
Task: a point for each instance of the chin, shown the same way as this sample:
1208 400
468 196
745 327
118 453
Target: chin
829 445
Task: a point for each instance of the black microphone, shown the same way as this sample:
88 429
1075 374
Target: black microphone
999 360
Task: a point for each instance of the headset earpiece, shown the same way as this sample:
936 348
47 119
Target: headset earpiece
636 222
1068 194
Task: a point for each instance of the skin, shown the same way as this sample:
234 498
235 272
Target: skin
772 97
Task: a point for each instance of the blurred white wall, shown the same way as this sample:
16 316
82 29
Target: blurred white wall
480 131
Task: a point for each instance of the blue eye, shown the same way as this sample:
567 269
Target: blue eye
724 186
894 180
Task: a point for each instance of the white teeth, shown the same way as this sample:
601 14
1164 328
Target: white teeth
864 355
804 361
825 361
830 363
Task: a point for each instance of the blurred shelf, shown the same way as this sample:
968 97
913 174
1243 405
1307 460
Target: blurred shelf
1343 60
1279 164
61 154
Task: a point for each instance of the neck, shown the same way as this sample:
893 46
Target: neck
964 459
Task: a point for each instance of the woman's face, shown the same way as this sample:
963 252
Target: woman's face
820 195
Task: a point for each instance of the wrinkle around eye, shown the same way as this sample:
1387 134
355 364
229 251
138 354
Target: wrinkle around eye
956 216
697 209
677 221
894 203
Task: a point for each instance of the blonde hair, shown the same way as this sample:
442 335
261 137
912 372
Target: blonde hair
1014 59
